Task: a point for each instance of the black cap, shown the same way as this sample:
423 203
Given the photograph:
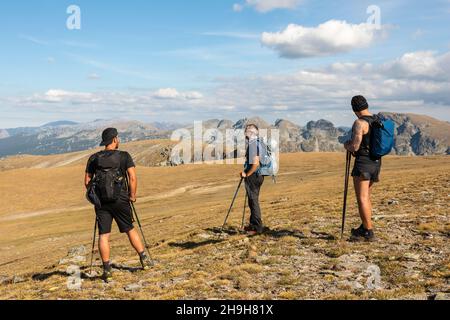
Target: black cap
359 103
108 136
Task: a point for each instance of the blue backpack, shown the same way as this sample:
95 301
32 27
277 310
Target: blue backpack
268 159
382 137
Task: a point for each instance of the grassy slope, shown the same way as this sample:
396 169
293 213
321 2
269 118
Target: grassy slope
301 258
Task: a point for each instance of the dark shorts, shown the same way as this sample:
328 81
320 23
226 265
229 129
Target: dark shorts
367 169
119 211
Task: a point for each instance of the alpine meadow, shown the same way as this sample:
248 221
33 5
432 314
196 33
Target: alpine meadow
225 158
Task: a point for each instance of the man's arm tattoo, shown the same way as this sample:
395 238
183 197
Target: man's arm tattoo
358 133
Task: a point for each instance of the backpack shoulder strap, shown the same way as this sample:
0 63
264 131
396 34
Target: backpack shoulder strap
122 166
122 163
369 119
94 160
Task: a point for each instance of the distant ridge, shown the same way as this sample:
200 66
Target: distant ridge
416 135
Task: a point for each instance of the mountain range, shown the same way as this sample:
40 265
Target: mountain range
415 135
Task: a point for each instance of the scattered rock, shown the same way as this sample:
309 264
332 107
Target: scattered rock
134 287
76 255
411 256
355 271
18 279
205 236
5 280
442 296
78 251
393 202
93 274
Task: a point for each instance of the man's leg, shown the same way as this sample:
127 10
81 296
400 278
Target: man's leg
137 244
253 185
104 248
136 241
362 189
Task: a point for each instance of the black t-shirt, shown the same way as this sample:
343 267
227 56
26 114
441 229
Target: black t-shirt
126 163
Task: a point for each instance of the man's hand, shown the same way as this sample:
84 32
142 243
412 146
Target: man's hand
87 179
132 183
243 175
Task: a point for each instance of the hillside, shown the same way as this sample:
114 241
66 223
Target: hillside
181 207
149 153
421 135
65 137
416 135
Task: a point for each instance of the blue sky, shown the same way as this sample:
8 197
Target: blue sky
191 60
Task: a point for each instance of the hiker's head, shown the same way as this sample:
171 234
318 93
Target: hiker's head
360 106
110 139
251 132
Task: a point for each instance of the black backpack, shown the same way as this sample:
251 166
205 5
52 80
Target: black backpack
109 179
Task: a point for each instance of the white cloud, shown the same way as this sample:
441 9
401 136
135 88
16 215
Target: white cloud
193 95
168 93
326 39
329 89
171 93
55 95
423 64
416 82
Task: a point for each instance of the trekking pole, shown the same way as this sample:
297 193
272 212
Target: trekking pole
142 231
93 245
232 204
245 207
347 179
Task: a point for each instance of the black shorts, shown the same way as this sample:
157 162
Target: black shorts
119 211
367 169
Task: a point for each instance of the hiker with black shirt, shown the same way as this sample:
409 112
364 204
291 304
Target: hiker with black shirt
253 179
367 168
115 168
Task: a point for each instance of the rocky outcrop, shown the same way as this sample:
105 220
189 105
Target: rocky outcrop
415 135
420 135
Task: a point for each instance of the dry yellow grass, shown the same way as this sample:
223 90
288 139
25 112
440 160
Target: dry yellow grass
43 217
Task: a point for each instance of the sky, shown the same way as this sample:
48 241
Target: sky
180 61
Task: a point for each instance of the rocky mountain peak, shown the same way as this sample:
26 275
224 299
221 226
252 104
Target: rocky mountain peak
321 125
415 135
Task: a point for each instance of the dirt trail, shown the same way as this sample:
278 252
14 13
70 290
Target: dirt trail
193 189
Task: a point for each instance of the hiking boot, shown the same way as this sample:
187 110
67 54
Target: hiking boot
107 276
146 262
249 228
358 231
253 230
362 234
